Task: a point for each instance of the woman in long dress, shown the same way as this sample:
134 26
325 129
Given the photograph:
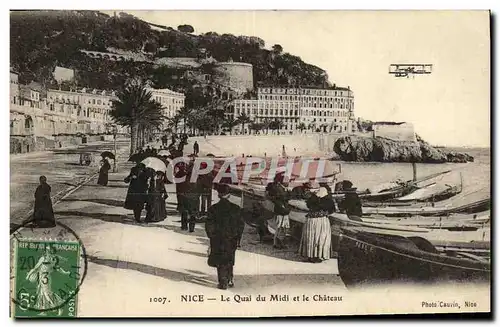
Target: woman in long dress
43 275
316 241
103 172
155 207
43 212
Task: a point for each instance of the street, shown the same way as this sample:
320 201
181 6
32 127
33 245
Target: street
60 166
131 262
128 262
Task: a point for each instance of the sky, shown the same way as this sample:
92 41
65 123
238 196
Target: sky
449 107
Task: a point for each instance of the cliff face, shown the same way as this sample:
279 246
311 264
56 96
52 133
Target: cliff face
355 148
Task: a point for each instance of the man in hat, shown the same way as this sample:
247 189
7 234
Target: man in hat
278 194
224 227
188 197
196 148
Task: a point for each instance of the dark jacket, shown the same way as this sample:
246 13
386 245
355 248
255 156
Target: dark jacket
205 182
188 194
137 190
351 205
279 196
224 227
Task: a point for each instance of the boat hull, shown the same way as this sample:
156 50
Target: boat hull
368 258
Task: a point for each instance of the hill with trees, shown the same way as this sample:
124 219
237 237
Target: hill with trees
41 40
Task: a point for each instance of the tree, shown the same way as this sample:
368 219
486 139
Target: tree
185 28
229 123
266 125
302 126
256 126
243 119
184 115
135 108
173 123
276 125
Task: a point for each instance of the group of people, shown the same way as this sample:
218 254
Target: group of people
315 243
146 191
224 223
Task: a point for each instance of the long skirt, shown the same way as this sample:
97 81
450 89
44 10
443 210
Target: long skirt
316 239
103 178
155 208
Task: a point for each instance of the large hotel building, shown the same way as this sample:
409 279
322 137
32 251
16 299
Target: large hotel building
325 110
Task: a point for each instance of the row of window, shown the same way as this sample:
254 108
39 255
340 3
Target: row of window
302 98
286 112
302 91
169 100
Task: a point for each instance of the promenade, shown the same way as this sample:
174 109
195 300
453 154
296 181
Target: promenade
130 262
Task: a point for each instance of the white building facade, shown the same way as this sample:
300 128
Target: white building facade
170 101
325 110
85 111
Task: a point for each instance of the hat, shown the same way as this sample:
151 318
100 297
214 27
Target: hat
223 189
321 192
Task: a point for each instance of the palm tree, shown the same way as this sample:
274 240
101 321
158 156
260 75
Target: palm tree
229 123
256 126
152 121
243 119
302 126
173 122
266 124
276 125
134 108
184 114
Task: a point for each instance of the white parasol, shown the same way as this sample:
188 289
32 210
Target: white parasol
155 164
165 153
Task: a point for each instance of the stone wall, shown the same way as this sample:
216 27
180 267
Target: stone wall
236 75
396 132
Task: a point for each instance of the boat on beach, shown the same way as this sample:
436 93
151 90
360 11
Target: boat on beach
258 212
443 209
368 256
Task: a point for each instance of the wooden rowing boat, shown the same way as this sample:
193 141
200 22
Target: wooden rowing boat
368 257
259 213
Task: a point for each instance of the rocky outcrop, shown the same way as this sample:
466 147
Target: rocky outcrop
358 148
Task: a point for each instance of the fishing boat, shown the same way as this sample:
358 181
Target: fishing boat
367 256
435 191
258 212
444 209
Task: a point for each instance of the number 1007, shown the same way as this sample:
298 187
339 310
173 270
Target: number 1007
161 300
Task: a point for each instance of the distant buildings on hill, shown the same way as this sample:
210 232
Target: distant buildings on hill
310 109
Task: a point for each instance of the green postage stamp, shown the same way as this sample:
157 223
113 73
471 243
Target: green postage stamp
46 278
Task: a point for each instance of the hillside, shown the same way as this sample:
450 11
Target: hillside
40 40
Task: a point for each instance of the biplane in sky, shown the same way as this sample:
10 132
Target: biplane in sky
405 70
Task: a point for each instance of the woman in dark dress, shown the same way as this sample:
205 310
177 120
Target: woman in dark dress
137 190
103 172
43 212
155 207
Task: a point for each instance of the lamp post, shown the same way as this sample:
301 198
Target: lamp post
115 131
